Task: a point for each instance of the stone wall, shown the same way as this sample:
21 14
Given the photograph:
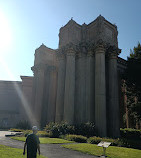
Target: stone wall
12 93
10 103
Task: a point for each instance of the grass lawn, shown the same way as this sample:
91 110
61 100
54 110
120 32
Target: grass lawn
8 152
111 152
45 140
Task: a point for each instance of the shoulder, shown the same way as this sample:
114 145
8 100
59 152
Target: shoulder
29 136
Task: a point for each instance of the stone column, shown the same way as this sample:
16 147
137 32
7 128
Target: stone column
69 86
39 92
90 87
100 90
113 101
44 117
60 87
52 95
80 88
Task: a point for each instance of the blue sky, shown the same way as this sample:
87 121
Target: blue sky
26 24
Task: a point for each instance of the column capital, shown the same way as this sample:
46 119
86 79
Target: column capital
71 49
91 49
113 52
39 67
61 54
100 46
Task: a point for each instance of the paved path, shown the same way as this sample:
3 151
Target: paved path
48 150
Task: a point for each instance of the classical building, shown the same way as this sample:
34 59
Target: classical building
79 81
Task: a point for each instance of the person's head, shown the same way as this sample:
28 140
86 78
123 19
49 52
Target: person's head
34 129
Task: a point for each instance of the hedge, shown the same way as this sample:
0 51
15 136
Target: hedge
76 138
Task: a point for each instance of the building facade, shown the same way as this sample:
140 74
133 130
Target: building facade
79 81
15 96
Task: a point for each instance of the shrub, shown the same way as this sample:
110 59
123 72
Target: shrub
63 128
131 134
57 129
16 130
85 129
130 143
76 138
96 140
43 134
117 142
26 132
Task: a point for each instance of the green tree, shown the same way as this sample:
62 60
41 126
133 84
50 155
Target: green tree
133 86
133 72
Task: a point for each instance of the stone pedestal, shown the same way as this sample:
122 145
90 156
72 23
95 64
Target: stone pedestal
113 99
60 88
100 91
69 87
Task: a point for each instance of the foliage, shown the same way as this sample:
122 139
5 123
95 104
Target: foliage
134 68
57 129
43 134
23 125
63 128
129 133
111 152
132 86
96 140
40 133
76 138
133 105
130 138
16 130
26 132
85 129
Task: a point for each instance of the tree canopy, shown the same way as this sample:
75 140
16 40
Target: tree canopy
133 84
133 73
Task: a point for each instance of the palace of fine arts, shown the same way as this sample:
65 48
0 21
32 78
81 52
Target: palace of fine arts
77 83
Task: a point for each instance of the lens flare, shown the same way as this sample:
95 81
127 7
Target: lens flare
21 95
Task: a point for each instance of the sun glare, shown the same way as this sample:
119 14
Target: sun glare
20 93
5 33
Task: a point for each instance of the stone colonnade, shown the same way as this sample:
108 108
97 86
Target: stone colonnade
76 90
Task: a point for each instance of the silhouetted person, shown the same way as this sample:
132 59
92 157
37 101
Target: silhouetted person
32 143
